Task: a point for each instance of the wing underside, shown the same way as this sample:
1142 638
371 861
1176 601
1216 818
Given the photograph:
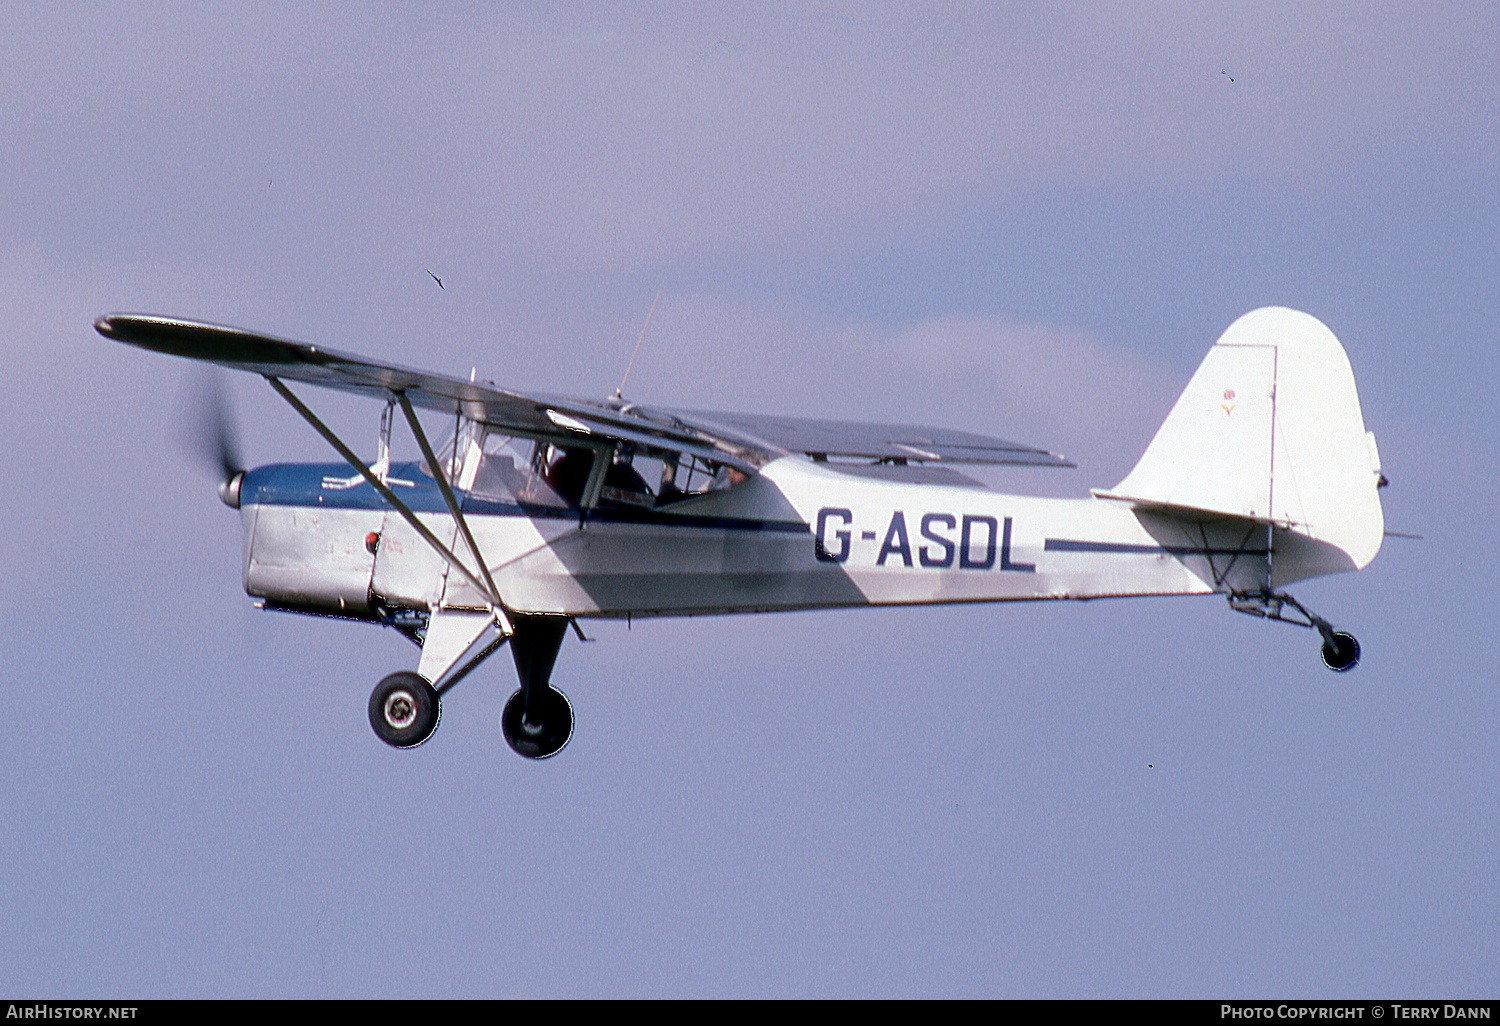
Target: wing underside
745 441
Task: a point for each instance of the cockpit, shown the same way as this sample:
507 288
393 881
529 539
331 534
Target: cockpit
500 467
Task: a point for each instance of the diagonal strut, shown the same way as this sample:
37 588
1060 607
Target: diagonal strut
400 507
453 508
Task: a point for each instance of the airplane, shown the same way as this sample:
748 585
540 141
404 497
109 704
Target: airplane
541 511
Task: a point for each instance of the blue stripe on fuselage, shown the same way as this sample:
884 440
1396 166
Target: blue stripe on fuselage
302 484
1123 548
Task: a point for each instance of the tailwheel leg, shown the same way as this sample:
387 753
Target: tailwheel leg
538 720
404 709
1340 649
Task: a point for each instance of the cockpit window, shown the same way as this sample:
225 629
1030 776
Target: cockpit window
567 472
673 476
452 452
509 469
624 485
520 470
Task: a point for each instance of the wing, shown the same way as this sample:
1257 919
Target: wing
887 443
744 441
552 417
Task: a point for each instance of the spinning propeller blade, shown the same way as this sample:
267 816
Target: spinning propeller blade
209 435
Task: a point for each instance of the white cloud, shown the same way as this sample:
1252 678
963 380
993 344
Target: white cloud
1042 384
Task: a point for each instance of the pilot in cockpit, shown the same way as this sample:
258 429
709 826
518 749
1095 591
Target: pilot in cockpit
569 473
567 476
624 484
728 477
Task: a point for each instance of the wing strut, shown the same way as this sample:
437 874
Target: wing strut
463 525
502 619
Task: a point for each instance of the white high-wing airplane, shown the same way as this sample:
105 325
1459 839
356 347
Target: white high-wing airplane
540 511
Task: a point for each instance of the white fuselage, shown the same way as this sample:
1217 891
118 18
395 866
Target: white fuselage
800 535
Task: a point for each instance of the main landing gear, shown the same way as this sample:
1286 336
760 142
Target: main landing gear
1340 649
404 709
538 720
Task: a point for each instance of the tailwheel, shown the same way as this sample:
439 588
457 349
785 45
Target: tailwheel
541 730
404 709
1340 651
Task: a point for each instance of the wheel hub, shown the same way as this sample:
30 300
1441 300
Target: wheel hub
400 710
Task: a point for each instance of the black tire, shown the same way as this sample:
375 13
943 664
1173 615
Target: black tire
1340 652
404 709
550 731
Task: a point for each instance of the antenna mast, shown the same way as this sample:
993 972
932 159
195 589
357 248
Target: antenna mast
620 392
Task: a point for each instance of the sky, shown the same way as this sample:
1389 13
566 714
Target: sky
1027 220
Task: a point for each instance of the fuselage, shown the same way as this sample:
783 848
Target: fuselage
800 535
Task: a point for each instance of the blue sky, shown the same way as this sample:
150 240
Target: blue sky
1029 222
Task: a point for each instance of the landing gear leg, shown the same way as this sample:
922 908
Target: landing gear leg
537 720
1340 649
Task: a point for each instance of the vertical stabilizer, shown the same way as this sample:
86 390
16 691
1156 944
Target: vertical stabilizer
1270 429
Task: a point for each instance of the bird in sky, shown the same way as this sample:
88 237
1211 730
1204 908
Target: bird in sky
436 279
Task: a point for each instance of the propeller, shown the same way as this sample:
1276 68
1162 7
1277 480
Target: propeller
208 433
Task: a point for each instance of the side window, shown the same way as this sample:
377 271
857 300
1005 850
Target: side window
520 470
682 476
567 473
624 485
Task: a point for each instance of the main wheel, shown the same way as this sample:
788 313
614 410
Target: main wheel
548 729
1340 651
404 709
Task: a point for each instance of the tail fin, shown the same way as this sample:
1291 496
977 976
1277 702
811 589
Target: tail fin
1269 429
